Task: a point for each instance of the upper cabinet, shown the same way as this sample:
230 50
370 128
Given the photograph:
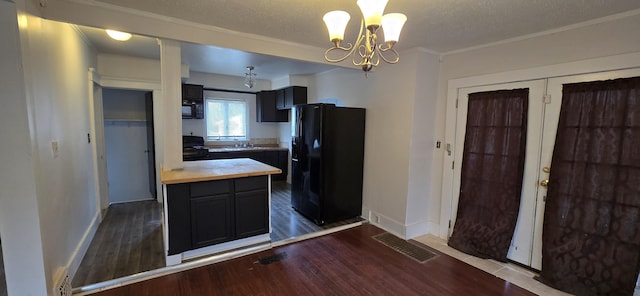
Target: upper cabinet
192 92
266 110
292 95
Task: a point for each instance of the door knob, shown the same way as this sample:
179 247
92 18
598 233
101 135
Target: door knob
544 183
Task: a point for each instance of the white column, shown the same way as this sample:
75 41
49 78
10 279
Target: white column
171 102
19 220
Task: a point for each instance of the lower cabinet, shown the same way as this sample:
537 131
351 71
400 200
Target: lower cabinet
201 214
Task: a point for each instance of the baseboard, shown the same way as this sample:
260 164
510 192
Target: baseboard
417 229
386 223
83 246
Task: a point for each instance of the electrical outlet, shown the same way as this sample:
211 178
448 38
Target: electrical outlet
55 149
377 219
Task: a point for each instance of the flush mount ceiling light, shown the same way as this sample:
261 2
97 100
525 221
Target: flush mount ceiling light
368 51
117 35
249 80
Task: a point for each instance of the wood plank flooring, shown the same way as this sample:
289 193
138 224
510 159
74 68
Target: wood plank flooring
128 241
286 222
348 262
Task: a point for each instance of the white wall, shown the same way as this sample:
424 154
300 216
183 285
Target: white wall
22 245
396 97
121 104
610 37
56 61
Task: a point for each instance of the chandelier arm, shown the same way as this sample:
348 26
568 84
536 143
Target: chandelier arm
349 51
395 57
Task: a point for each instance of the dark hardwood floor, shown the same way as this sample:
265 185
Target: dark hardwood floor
128 241
286 222
348 262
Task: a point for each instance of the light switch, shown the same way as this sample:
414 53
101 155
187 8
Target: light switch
54 149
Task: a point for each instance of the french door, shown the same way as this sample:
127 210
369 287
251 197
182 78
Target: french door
545 100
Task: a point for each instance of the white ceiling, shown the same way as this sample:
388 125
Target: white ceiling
438 25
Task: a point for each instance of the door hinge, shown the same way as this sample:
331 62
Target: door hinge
546 99
456 103
449 223
452 163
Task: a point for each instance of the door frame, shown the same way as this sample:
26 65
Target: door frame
618 62
100 169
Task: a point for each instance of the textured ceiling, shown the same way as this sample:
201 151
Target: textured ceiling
438 25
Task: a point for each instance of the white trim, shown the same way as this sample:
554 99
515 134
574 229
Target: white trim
315 234
588 23
131 84
387 224
610 63
83 245
224 247
101 15
416 229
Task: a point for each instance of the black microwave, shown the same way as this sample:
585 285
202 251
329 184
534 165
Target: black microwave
192 110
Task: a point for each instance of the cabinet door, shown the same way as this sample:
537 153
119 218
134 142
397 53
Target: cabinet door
293 95
266 110
179 218
283 164
251 206
281 101
251 213
211 220
192 92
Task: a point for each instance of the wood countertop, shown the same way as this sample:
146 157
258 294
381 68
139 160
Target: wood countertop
207 170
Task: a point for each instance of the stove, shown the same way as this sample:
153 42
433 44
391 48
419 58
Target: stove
193 148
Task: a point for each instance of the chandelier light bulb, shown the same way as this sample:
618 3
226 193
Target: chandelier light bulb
365 52
336 22
372 11
392 25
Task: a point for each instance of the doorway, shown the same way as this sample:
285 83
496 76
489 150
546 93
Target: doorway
128 122
545 98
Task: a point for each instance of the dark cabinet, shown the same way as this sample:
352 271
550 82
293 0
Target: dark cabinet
266 110
192 92
211 220
251 207
205 213
290 96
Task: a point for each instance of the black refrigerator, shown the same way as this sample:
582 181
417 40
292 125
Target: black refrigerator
327 158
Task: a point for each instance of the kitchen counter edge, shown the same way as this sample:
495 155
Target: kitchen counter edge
208 170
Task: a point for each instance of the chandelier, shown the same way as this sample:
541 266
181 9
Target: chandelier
249 80
365 52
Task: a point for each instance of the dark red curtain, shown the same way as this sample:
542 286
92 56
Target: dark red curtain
492 169
591 232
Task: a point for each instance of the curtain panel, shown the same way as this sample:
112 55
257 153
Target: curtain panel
591 230
492 170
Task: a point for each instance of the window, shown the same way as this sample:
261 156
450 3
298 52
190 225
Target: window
226 119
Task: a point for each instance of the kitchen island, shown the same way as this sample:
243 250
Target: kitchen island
212 206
